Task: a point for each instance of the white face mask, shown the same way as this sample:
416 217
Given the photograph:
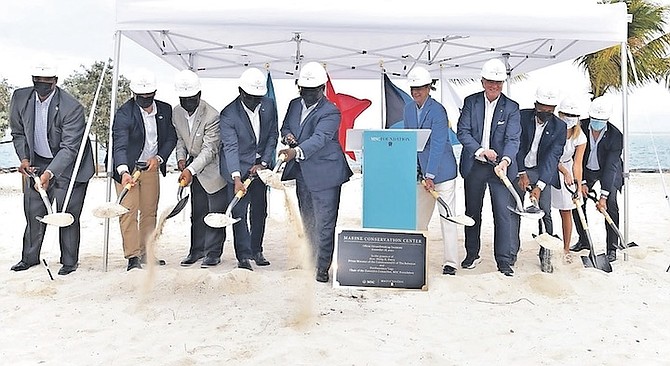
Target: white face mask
571 121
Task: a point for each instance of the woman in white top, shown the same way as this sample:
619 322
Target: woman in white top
570 167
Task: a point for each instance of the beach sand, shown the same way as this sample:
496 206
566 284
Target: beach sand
279 315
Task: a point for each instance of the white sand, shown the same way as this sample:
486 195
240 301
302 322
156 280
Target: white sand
279 315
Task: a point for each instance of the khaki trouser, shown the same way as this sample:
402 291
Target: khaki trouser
142 201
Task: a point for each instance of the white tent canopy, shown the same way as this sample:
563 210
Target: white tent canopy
360 39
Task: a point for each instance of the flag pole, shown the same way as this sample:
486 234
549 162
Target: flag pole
383 95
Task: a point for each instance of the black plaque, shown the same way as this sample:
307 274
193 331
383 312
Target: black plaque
381 259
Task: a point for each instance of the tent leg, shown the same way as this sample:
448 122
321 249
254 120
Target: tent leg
624 117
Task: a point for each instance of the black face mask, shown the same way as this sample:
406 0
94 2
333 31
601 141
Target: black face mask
144 102
543 116
250 101
43 89
190 104
311 95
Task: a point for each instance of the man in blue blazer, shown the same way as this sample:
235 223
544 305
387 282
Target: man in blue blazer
249 135
541 145
316 162
489 131
437 164
602 163
143 136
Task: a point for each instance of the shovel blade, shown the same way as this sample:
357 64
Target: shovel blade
601 263
109 210
60 219
549 242
178 207
270 178
527 214
219 220
461 220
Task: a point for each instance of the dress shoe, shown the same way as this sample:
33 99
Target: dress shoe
611 256
244 263
210 262
579 246
448 270
190 260
322 275
470 263
159 262
507 271
66 270
22 266
260 259
134 262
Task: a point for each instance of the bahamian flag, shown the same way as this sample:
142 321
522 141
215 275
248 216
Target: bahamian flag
396 99
271 94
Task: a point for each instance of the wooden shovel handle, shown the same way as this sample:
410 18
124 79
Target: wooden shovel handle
241 193
432 191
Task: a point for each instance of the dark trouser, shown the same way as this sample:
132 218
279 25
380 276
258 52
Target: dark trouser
612 210
241 236
318 210
206 240
34 206
476 182
545 205
258 212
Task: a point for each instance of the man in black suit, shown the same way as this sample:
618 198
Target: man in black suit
602 163
541 145
249 135
143 136
48 127
489 130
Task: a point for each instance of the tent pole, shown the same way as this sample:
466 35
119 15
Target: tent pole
383 103
509 75
624 117
110 163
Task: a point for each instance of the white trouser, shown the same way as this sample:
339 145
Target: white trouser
425 205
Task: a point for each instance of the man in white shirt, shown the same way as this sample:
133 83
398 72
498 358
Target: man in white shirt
249 135
143 138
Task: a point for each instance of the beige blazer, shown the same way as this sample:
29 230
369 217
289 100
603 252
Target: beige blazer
201 144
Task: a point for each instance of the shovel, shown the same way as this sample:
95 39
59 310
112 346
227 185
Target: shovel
544 239
622 245
599 261
460 220
219 220
110 210
59 219
531 212
272 178
181 202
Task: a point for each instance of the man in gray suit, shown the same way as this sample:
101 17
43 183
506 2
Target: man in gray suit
249 136
48 127
316 162
197 126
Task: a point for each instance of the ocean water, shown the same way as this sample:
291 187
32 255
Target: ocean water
646 152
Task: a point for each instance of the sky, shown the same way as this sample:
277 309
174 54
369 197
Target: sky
78 32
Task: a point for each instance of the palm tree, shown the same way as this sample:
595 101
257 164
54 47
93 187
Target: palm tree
648 43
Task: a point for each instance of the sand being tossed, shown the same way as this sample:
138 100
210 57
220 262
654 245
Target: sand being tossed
169 315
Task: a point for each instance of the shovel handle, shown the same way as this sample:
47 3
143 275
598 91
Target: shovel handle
431 190
127 187
280 161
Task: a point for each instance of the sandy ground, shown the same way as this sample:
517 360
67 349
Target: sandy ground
219 316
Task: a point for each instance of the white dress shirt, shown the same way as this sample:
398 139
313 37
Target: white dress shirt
41 141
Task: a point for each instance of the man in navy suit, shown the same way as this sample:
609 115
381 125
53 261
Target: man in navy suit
436 163
143 136
602 163
489 130
249 135
541 145
316 162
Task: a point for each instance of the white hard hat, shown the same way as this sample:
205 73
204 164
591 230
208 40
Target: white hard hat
569 105
312 75
600 108
143 82
253 82
494 70
44 69
419 77
547 95
186 83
